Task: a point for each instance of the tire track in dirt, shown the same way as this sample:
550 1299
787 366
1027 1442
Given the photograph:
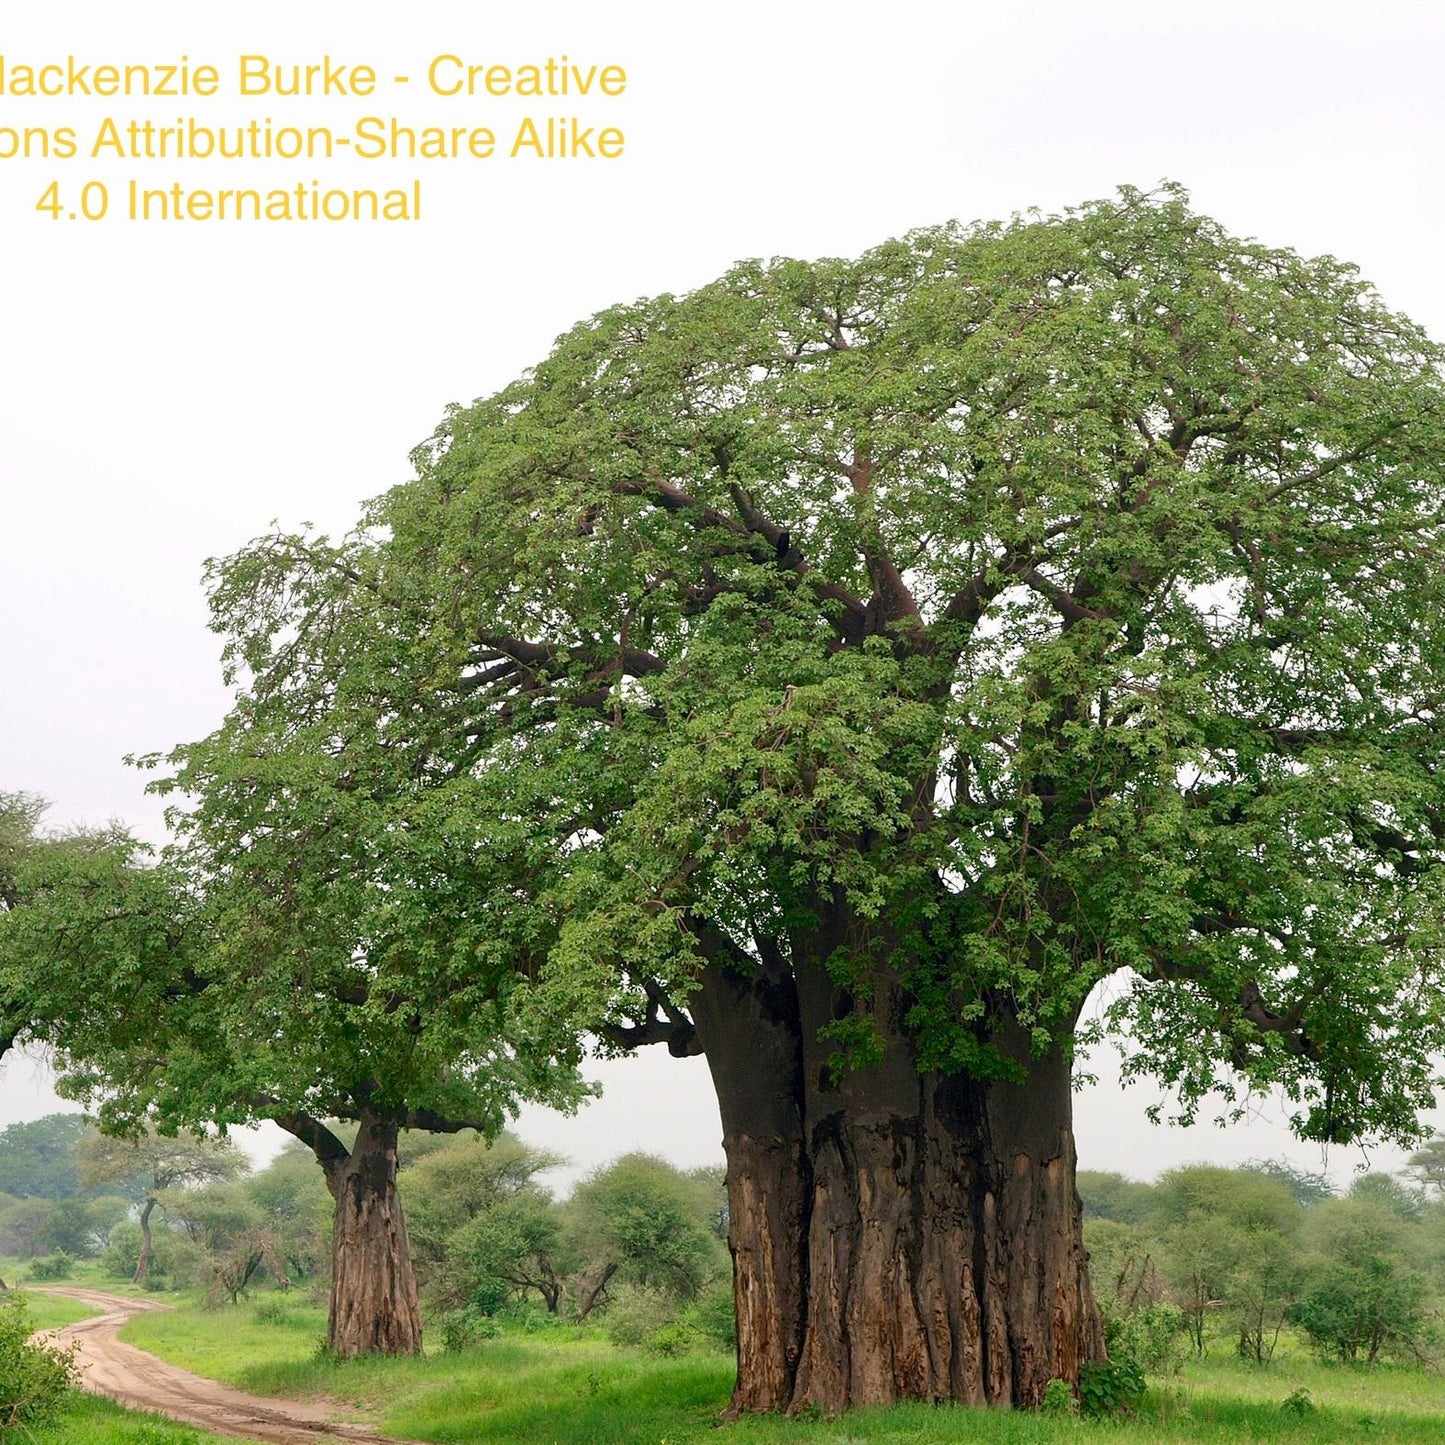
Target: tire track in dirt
141 1381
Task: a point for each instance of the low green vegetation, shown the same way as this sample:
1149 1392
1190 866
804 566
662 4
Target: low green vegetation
35 1375
88 1420
536 1382
1241 1259
1260 1305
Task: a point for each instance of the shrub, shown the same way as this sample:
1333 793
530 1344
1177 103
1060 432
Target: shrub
714 1314
1110 1387
178 1262
59 1265
1116 1385
635 1313
462 1328
532 1317
34 1378
1364 1299
1153 1335
678 1337
1298 1403
1059 1399
277 1310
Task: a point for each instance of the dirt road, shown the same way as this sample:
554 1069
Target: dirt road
140 1380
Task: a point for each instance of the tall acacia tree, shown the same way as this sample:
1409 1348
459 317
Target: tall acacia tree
848 666
151 1163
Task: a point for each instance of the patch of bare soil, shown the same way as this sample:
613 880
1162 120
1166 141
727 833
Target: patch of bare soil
140 1380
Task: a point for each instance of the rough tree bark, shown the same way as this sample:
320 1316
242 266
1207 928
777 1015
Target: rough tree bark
896 1234
373 1287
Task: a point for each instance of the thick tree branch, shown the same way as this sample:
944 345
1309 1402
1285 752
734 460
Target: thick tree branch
434 1123
330 1152
893 603
766 540
1246 1003
664 1023
601 659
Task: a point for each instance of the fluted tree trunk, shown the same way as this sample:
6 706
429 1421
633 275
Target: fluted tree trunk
897 1234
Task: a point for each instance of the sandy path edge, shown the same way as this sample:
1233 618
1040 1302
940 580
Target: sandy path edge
141 1381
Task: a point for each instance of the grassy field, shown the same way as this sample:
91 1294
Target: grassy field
571 1386
556 1386
91 1421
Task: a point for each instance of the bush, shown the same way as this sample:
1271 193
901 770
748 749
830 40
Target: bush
178 1262
277 1310
714 1314
53 1266
1364 1299
1059 1399
635 1313
34 1378
1153 1335
1110 1387
679 1337
533 1317
462 1328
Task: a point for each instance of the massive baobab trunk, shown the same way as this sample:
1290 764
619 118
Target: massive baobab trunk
896 1234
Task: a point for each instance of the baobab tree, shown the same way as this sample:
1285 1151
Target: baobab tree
845 668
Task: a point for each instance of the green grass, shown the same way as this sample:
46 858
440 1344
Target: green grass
49 1312
1369 1390
567 1385
85 1273
88 1420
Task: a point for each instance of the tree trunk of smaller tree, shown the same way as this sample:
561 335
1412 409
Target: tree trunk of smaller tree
373 1288
147 1251
589 1291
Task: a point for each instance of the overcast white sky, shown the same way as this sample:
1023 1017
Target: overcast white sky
166 390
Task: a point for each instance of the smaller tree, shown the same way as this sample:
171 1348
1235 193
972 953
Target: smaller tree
1111 1196
22 1226
648 1223
1363 1299
1124 1266
516 1247
152 1163
1309 1186
283 977
292 1197
81 1227
483 1227
37 1159
1427 1165
1388 1192
1265 1286
1230 1249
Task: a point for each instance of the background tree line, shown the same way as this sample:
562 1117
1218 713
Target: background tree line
638 1242
1210 1257
1204 1258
